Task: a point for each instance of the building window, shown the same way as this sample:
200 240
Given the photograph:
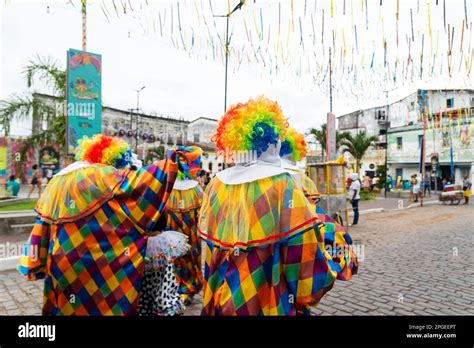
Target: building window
196 138
420 141
210 167
450 103
380 115
399 143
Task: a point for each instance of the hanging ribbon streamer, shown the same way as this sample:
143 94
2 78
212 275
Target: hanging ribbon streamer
449 50
412 32
444 14
301 33
465 13
172 19
344 42
292 17
421 55
197 12
332 8
462 35
460 60
322 31
366 16
429 27
355 34
396 21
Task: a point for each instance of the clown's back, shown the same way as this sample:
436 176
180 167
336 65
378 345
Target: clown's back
264 252
89 239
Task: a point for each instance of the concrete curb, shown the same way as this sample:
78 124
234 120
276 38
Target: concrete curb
413 205
9 263
381 210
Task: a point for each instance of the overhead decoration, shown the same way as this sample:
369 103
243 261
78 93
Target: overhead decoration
373 43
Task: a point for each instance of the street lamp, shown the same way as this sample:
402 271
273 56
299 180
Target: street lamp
138 108
227 16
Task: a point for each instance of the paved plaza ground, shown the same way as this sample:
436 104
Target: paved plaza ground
416 261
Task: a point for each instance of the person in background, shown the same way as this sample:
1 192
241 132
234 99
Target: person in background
367 182
443 183
354 196
416 187
182 211
389 183
35 180
466 187
49 173
412 183
12 187
159 294
427 185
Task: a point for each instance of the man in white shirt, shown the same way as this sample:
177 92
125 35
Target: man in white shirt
354 196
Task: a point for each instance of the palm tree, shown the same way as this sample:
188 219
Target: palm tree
357 146
40 109
320 136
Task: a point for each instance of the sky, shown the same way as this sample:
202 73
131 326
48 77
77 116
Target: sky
277 48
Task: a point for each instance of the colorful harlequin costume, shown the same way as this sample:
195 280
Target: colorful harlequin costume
294 149
182 215
264 251
90 235
337 241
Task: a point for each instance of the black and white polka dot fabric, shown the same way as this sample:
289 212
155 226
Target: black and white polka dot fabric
159 292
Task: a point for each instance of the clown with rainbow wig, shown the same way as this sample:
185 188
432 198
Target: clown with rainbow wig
264 252
294 149
182 216
337 241
92 227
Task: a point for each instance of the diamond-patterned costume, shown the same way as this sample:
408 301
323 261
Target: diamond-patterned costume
264 251
182 212
90 237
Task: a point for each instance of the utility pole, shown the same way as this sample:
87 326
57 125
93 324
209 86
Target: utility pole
330 81
423 151
386 138
227 16
138 115
226 60
84 25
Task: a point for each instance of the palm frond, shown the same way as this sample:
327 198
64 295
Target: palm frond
16 107
47 70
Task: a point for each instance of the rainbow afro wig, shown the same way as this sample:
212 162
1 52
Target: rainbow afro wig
189 168
253 125
105 150
294 144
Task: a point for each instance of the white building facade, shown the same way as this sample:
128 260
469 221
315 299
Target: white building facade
200 132
448 117
374 122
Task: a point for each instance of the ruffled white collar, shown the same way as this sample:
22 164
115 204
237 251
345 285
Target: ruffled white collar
268 164
73 166
182 185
